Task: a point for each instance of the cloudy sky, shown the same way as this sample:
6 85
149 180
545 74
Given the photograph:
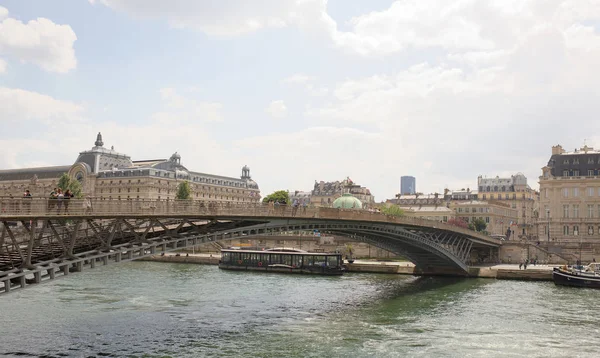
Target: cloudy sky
304 90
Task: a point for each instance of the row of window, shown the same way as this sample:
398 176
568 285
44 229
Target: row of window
576 172
590 160
506 196
575 192
192 186
496 188
575 231
216 197
166 174
474 210
572 211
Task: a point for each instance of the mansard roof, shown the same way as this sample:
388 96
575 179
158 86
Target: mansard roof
29 173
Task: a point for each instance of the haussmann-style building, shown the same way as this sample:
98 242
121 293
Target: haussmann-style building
570 196
325 193
515 192
106 174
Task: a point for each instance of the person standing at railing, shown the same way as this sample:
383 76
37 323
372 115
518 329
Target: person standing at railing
59 200
295 207
271 207
27 202
68 196
52 199
87 203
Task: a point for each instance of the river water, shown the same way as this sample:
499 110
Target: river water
177 310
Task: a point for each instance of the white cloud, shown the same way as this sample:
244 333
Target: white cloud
277 109
20 105
299 78
307 83
219 18
40 41
183 108
2 66
3 13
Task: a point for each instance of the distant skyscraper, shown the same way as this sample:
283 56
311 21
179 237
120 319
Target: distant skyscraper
408 185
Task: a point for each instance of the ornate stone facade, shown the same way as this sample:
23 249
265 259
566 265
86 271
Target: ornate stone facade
325 193
107 174
498 216
570 196
515 192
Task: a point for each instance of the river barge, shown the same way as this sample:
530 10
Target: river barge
577 276
282 260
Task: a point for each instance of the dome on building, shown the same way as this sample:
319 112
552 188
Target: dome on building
251 184
347 201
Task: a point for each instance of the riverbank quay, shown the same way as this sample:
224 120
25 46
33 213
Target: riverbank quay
500 272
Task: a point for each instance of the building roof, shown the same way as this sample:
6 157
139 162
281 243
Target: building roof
419 196
347 201
427 208
581 160
29 173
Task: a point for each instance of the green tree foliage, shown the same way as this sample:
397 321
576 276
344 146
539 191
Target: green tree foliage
67 183
184 192
478 225
392 210
280 196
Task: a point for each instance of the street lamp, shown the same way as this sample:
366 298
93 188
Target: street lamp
548 218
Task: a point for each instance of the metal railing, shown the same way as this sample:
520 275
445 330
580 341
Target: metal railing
21 209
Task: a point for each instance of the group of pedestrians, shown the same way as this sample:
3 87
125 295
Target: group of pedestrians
527 262
58 199
277 206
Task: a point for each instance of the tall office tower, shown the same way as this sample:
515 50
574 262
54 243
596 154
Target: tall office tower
408 185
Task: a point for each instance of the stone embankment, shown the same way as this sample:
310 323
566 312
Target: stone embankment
501 272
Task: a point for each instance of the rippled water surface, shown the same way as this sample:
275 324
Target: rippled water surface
176 310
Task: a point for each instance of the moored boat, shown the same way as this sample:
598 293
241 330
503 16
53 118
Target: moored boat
282 260
577 276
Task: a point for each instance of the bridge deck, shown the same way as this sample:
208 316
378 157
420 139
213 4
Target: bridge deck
31 209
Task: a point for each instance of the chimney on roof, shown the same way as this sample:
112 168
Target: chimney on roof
557 149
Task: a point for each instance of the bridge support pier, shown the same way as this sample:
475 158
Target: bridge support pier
79 266
52 273
65 269
6 285
37 277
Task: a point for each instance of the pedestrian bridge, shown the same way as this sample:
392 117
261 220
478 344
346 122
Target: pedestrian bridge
42 239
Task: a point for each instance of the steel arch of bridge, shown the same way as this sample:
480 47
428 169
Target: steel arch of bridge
54 245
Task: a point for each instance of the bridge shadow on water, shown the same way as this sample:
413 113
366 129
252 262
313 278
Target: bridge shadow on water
414 296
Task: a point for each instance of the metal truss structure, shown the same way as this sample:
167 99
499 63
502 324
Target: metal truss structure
44 247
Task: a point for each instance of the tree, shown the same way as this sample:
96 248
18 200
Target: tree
184 192
479 224
280 196
458 222
392 210
67 183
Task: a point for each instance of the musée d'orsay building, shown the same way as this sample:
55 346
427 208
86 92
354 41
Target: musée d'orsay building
107 174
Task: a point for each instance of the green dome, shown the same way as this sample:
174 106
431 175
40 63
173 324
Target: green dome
347 201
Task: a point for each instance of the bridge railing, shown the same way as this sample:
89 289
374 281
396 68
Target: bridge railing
30 208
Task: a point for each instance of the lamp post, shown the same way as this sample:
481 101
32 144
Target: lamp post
548 218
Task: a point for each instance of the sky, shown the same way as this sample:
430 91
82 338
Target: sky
304 90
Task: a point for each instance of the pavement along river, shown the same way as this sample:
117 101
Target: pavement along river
178 310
